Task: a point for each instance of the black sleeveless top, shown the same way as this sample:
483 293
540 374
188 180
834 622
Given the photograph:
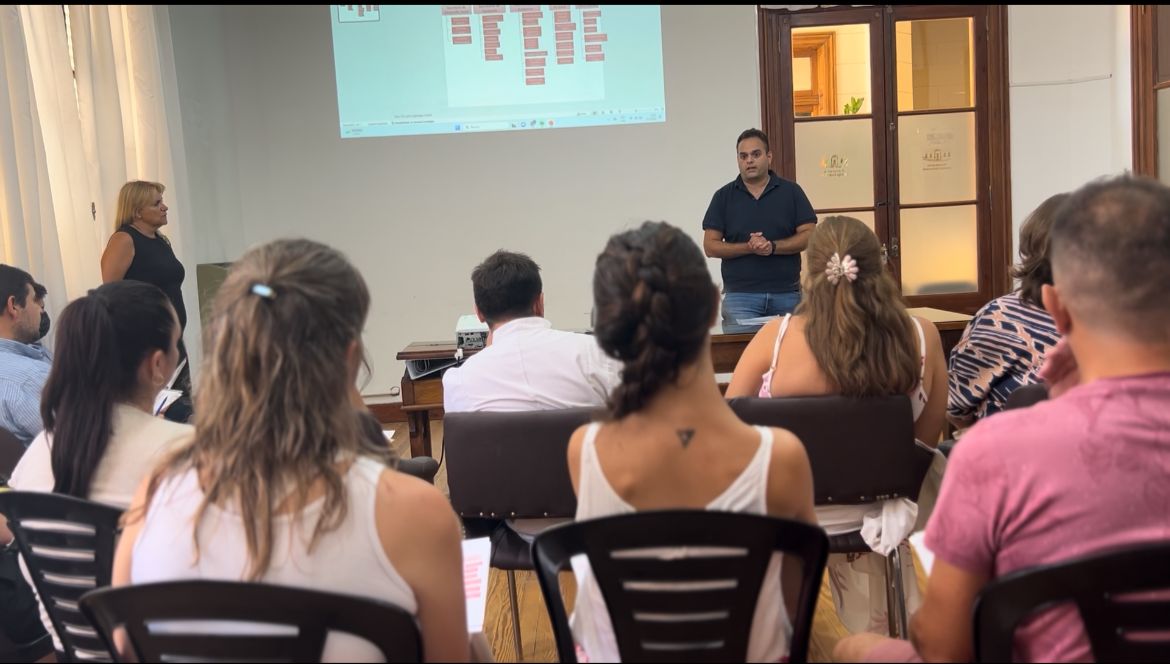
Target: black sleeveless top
155 263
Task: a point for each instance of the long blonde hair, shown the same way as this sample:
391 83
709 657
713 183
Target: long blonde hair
272 414
134 196
859 331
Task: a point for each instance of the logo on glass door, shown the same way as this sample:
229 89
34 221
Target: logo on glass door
834 166
937 156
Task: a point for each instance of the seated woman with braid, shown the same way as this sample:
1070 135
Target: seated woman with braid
673 442
852 336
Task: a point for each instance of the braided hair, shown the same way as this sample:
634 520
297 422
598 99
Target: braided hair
654 301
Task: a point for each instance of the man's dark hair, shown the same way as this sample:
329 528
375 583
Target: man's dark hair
506 285
753 133
14 282
1110 252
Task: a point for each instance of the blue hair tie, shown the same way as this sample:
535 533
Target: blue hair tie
263 290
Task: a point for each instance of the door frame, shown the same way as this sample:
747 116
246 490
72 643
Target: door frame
993 183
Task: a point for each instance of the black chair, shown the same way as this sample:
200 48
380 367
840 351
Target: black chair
422 467
1097 585
1026 395
11 449
1022 397
68 546
22 636
510 466
711 623
861 451
307 617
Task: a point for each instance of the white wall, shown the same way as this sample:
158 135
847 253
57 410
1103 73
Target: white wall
415 214
1070 99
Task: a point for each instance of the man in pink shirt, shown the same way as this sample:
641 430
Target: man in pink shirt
1082 473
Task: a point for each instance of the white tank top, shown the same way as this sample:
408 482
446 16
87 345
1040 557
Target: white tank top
596 498
348 560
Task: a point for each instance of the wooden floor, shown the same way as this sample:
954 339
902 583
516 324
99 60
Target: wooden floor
537 641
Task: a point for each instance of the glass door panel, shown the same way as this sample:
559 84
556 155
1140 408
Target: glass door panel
830 70
1162 101
834 162
934 64
936 158
940 250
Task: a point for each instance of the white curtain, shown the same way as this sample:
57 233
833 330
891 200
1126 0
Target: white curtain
46 227
125 78
65 151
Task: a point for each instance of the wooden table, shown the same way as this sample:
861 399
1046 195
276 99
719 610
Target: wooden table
422 399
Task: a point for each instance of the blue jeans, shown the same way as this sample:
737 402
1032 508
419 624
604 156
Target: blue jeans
743 306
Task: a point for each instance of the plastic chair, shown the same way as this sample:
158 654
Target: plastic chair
11 449
68 547
510 465
861 451
22 636
683 625
307 617
1120 629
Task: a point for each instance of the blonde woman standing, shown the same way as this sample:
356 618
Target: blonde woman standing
139 251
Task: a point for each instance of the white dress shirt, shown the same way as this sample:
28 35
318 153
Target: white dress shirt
530 366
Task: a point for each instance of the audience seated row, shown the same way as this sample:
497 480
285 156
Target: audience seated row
1081 472
279 481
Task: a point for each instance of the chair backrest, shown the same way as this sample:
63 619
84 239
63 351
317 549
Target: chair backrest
306 616
709 621
511 465
11 449
1026 395
861 450
68 546
1120 628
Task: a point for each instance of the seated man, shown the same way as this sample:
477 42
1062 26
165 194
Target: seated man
1075 475
526 365
24 364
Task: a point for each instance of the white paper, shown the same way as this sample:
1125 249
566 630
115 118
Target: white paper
925 556
758 320
175 376
389 433
164 400
477 557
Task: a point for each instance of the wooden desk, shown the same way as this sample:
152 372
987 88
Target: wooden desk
423 398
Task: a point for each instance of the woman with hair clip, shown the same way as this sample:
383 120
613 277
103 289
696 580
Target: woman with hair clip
673 442
139 251
852 336
280 484
116 348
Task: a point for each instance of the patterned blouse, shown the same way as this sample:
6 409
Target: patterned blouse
1002 348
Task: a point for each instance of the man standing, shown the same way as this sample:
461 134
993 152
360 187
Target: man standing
758 224
527 365
24 364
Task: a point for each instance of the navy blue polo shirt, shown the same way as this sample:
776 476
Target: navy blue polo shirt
737 214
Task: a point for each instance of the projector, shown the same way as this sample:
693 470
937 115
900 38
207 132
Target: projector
470 333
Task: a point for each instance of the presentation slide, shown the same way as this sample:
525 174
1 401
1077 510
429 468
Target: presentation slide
437 69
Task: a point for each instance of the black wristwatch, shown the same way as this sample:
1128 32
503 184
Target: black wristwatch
772 243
